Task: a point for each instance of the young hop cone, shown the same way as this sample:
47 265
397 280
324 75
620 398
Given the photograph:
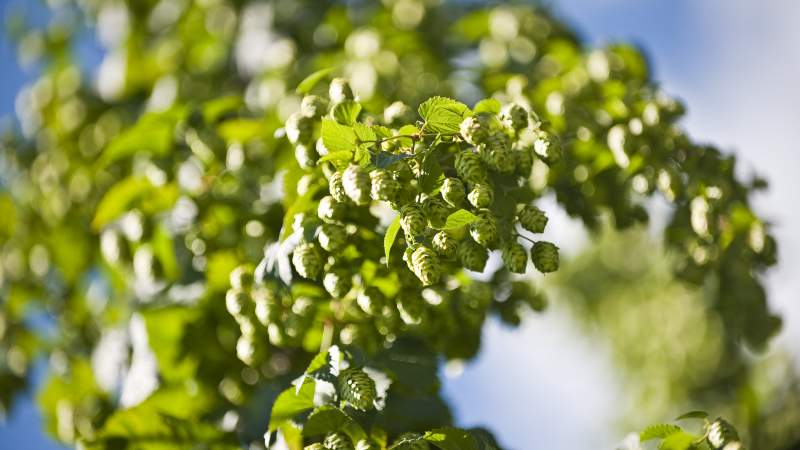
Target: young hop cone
412 221
357 388
481 195
337 441
515 257
336 187
357 184
472 255
426 265
469 167
307 260
545 256
453 191
532 219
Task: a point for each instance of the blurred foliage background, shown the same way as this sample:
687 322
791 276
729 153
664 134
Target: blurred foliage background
130 190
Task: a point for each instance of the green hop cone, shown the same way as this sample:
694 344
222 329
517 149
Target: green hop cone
547 147
413 441
475 129
545 256
357 184
412 221
371 300
397 113
307 260
242 277
426 265
445 245
306 156
484 229
481 195
357 388
532 219
336 187
329 210
436 210
721 433
332 237
523 162
516 116
453 191
237 302
472 255
496 153
337 282
299 129
515 257
367 444
340 90
384 187
411 308
338 441
407 257
315 446
469 167
268 307
313 106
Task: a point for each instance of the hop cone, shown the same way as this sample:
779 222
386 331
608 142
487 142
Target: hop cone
340 90
370 300
241 277
357 184
315 446
329 210
475 129
481 195
547 147
523 162
365 444
497 153
515 257
412 221
532 219
307 260
545 256
357 388
445 245
337 282
453 191
336 187
299 129
517 116
384 187
396 113
237 302
469 167
436 210
426 265
306 156
484 229
473 256
313 106
332 237
721 433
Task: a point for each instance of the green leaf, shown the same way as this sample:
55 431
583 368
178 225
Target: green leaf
390 237
214 109
292 402
118 200
241 130
328 419
489 105
338 137
346 112
152 134
442 114
310 81
693 415
678 441
458 219
339 159
364 133
449 438
164 250
384 159
659 431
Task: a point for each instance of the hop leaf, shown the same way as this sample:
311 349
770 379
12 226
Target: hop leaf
357 184
515 257
481 195
545 256
307 260
357 388
532 219
453 191
411 441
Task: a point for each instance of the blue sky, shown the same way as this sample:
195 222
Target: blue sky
736 64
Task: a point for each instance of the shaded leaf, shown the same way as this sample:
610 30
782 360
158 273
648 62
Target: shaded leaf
449 438
310 81
292 402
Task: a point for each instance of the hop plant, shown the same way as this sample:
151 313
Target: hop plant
370 300
299 129
412 221
338 441
545 256
397 112
357 184
313 106
366 444
532 219
496 153
384 187
436 210
414 442
547 147
452 191
469 167
476 129
721 434
484 229
236 302
315 446
472 255
332 237
241 277
357 388
516 116
306 156
337 282
515 257
445 245
336 187
329 210
340 90
307 260
481 195
523 162
426 265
